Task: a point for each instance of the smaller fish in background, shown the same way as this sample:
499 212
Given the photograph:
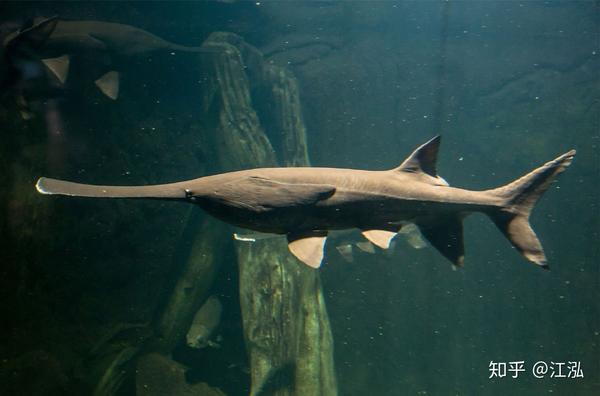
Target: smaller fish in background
56 42
22 75
366 247
346 252
203 326
413 236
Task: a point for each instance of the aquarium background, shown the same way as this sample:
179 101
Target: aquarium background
508 85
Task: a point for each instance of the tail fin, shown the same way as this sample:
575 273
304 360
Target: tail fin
520 197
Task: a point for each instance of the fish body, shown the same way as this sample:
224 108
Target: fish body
305 203
116 38
203 326
103 46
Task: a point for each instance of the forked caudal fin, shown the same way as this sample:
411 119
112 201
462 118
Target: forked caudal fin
520 197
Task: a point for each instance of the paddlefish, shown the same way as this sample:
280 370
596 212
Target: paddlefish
305 203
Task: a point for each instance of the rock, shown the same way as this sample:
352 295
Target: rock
157 375
34 373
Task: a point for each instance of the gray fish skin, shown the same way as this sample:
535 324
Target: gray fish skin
305 203
114 37
64 36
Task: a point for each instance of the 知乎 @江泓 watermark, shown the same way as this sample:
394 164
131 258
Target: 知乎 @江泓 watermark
540 369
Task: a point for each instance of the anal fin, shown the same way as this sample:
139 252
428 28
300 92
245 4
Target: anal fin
447 238
308 248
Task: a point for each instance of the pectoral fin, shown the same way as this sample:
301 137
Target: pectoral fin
447 238
380 238
58 66
109 84
308 248
262 194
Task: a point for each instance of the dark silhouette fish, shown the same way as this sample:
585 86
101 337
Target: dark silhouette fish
54 41
306 203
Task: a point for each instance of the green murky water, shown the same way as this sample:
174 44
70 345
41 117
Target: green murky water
99 296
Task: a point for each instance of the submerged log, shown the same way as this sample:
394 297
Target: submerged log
249 107
157 375
287 331
193 284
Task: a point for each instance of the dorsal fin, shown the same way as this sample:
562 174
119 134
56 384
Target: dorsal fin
423 159
35 32
27 24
